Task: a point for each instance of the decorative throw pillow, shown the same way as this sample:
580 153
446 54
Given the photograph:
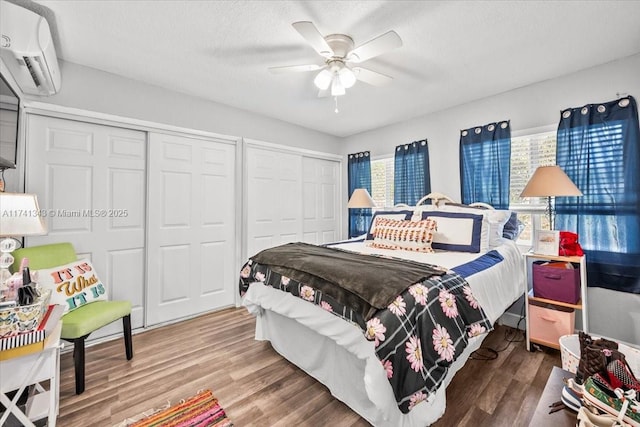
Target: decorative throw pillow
511 229
407 235
72 285
492 224
459 232
398 215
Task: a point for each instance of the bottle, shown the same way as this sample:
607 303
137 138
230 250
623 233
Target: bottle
27 293
26 276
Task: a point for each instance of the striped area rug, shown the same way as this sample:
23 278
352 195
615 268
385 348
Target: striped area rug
201 410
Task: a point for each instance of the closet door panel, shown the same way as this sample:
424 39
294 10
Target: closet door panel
191 226
68 212
91 182
127 282
274 189
320 200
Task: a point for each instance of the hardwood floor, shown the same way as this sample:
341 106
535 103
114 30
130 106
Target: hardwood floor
257 387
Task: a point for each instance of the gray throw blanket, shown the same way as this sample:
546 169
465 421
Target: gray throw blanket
366 283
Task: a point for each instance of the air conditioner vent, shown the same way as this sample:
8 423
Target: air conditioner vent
34 76
30 57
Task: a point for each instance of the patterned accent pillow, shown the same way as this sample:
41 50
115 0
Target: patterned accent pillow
72 285
407 235
398 215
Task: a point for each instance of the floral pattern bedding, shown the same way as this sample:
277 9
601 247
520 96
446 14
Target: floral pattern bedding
417 337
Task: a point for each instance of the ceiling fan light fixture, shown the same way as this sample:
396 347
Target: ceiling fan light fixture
347 77
337 89
323 79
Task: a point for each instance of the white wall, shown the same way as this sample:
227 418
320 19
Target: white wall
534 106
94 90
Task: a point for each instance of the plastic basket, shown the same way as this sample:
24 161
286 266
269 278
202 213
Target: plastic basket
570 354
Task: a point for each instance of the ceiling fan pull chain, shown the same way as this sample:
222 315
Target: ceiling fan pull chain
336 99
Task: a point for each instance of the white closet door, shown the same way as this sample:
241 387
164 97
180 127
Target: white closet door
273 198
191 262
90 181
320 200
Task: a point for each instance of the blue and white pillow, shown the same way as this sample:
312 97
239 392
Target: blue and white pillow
495 221
460 232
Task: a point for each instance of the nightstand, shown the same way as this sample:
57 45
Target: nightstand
29 372
547 319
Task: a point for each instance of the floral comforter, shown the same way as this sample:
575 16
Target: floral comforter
417 337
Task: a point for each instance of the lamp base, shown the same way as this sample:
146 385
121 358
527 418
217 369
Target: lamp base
7 245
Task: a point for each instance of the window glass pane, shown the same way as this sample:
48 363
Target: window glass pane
382 182
527 153
526 237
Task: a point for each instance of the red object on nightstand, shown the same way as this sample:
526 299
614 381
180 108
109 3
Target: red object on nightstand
569 245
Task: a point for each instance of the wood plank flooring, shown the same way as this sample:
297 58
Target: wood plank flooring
257 387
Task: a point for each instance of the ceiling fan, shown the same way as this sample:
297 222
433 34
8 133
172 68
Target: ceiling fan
338 72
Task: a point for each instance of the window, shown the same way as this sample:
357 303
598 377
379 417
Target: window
382 182
527 153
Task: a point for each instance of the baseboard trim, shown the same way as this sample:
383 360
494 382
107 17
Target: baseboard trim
511 320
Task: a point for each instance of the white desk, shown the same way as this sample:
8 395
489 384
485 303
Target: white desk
20 372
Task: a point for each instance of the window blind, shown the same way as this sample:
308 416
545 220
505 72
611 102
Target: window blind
382 182
527 153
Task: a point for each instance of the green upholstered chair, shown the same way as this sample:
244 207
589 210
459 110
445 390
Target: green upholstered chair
79 323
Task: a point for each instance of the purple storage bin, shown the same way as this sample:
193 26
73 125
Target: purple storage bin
558 284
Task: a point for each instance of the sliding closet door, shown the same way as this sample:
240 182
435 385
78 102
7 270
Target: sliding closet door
320 200
272 198
192 202
90 182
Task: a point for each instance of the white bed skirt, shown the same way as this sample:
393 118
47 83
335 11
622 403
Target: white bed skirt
336 353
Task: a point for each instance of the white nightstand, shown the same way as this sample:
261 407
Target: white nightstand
552 316
20 372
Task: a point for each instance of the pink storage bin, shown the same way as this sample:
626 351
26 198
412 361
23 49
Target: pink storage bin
547 324
555 283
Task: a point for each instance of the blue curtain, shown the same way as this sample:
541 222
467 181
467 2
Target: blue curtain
485 162
598 146
359 176
411 180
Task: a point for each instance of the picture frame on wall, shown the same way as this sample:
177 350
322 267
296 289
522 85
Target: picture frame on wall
546 242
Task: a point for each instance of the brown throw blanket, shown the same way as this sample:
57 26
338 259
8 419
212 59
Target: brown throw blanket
366 283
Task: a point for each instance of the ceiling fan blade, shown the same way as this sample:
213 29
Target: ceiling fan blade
371 77
313 37
295 68
374 47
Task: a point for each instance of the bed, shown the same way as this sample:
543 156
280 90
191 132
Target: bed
336 345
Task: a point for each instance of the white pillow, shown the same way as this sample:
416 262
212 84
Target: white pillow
496 219
72 285
460 231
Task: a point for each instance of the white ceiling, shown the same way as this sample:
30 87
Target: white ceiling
453 51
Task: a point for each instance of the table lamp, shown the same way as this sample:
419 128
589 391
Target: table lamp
360 199
550 181
19 216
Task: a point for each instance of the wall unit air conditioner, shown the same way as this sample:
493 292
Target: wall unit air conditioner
27 50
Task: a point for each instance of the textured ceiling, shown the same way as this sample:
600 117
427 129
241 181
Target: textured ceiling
453 51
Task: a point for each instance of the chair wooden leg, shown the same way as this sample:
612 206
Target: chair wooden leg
78 361
128 341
